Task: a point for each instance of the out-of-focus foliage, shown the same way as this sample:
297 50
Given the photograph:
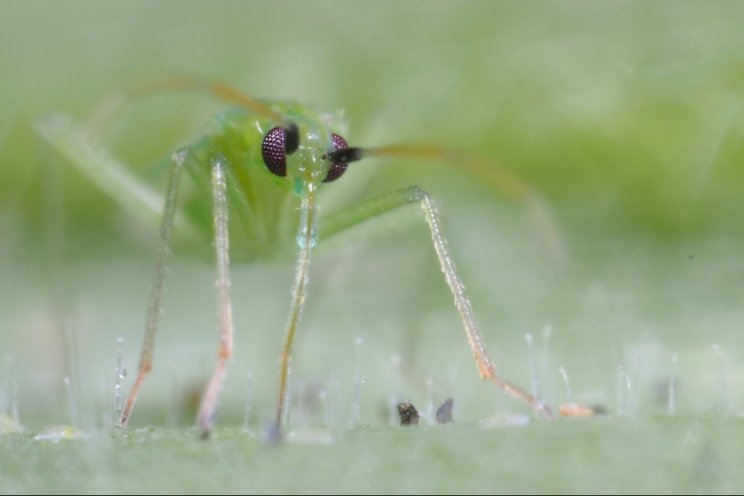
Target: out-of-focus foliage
627 116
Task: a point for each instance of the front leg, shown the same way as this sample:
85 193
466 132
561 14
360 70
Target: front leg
208 407
306 238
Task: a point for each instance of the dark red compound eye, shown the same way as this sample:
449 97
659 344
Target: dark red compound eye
337 169
273 152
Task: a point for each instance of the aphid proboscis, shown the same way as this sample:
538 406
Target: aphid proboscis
254 166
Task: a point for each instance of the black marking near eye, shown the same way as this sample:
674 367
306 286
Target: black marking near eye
292 139
273 151
338 167
346 155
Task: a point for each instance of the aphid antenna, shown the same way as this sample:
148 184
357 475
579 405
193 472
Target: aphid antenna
725 405
247 412
672 393
493 174
113 103
356 393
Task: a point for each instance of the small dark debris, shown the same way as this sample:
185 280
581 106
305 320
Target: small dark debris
444 412
599 409
408 413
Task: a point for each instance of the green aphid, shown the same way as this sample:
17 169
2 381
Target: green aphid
257 172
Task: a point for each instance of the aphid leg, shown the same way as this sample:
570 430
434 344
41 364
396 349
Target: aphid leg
208 407
156 292
399 198
306 238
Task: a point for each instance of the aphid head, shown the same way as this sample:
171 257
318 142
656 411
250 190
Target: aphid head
306 154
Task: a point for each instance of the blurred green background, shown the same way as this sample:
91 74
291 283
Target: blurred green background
627 116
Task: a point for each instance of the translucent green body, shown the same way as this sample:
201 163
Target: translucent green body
244 211
262 206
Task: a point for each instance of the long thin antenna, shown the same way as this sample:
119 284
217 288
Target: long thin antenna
491 173
512 186
110 105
